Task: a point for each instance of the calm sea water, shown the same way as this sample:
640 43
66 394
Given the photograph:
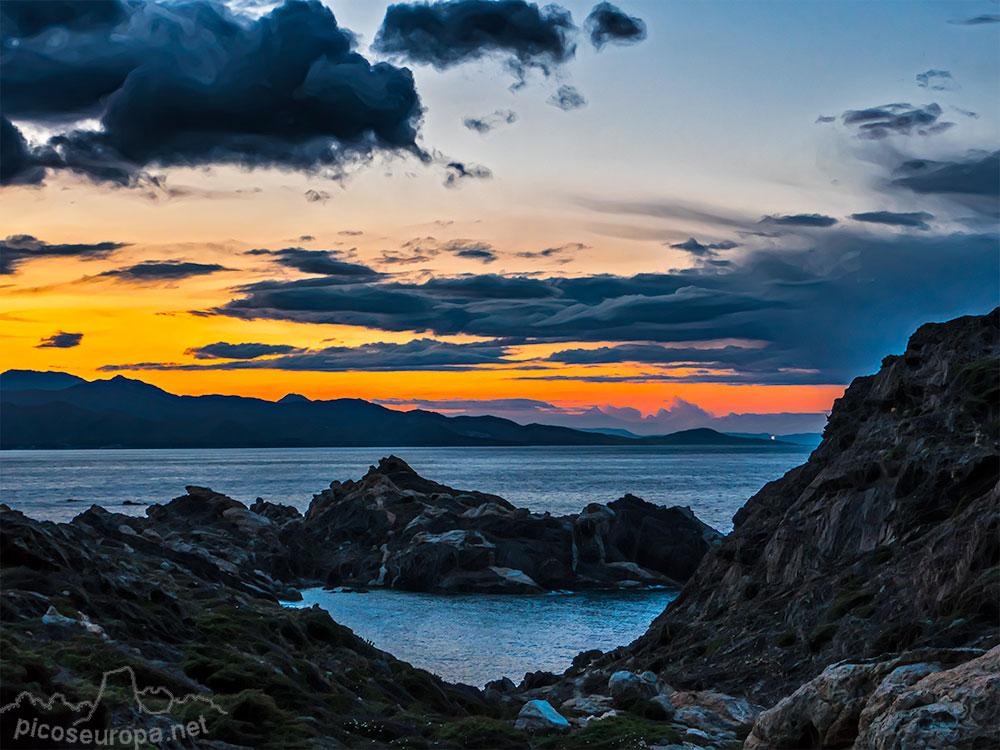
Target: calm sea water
715 482
478 638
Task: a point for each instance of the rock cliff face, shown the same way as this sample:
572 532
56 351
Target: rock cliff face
394 528
885 540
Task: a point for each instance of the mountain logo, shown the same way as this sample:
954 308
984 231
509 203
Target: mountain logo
154 701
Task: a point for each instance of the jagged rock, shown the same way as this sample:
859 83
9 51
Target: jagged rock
887 539
540 716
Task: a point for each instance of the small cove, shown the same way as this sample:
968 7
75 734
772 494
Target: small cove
475 638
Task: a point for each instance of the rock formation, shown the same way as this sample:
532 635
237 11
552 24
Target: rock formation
394 528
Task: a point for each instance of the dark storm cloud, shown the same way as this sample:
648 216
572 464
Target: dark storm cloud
162 270
826 118
489 122
936 80
567 98
26 18
838 285
318 262
222 350
800 220
61 340
978 176
457 171
18 166
608 24
20 248
190 84
917 219
419 354
694 247
444 34
896 119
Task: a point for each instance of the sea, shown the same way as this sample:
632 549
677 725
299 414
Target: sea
463 638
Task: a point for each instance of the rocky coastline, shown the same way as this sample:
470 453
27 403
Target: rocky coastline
855 604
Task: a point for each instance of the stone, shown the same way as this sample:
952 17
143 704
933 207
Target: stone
540 716
627 687
867 704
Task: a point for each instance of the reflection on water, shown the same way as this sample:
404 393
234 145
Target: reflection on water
474 638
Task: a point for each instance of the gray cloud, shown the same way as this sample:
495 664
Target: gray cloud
917 219
21 248
318 262
486 123
150 271
222 350
978 175
876 123
936 80
979 20
567 98
694 247
60 340
457 171
800 220
444 34
481 251
607 24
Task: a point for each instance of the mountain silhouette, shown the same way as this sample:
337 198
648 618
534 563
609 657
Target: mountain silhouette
126 413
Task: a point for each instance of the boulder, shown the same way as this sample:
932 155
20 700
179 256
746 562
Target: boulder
869 705
627 688
540 716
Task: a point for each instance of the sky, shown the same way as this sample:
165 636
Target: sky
651 215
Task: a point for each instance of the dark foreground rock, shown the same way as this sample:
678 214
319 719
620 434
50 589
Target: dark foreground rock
394 528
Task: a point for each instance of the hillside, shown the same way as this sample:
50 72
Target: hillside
56 410
887 539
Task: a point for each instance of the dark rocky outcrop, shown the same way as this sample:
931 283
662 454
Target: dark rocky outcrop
394 528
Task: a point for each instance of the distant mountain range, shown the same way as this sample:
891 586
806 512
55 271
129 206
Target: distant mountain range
58 410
